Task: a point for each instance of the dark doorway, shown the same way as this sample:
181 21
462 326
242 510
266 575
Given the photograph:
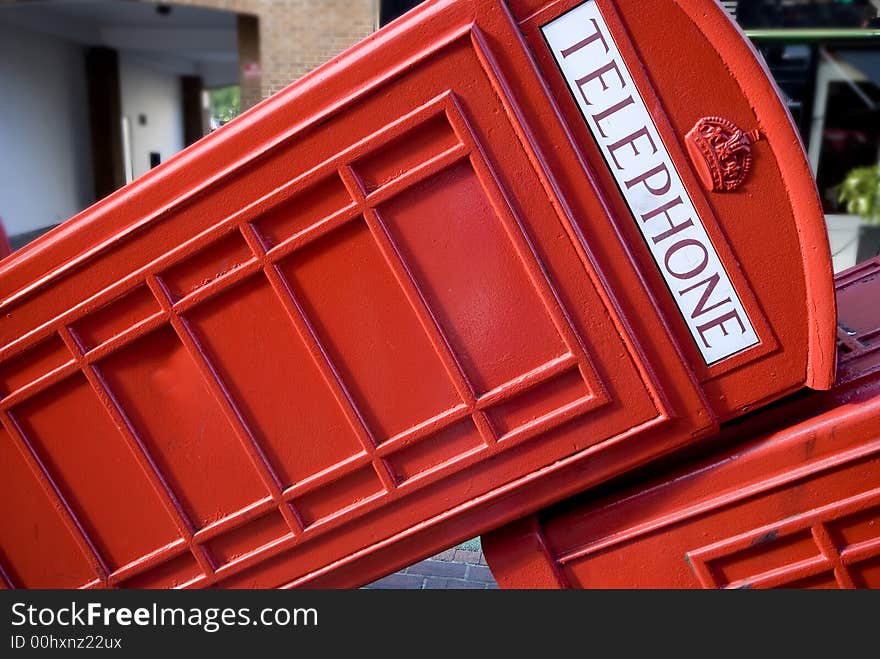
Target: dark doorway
391 9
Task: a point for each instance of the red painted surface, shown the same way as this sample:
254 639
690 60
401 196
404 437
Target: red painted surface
5 247
398 304
794 504
721 152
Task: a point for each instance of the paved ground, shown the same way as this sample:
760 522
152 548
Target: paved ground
461 567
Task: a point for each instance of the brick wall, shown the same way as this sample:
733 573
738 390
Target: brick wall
250 84
462 567
295 36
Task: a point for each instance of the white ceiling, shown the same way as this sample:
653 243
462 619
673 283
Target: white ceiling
129 12
188 40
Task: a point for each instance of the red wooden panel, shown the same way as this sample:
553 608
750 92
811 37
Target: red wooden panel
196 448
406 152
34 363
38 550
206 265
855 529
173 573
451 443
389 346
866 574
317 201
338 496
300 427
468 270
114 318
248 537
100 478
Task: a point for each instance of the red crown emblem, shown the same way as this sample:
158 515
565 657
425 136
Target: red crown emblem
721 152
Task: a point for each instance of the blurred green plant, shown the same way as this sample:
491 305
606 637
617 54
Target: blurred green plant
860 191
225 103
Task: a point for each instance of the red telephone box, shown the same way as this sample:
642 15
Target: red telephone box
491 256
792 503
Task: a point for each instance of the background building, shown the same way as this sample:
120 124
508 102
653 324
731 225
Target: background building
96 92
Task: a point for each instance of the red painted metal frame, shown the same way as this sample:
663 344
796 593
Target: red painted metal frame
794 504
396 305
